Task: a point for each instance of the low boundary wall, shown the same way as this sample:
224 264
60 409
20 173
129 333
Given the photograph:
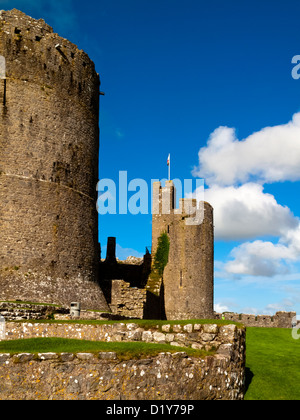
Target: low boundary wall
168 376
87 376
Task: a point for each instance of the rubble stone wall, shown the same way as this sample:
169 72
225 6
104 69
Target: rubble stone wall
279 320
103 376
167 376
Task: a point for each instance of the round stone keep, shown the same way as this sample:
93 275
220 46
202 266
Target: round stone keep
49 142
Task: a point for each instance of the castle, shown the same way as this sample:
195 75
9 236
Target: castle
184 290
49 142
49 145
49 153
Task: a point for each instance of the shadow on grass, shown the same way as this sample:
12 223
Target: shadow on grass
249 377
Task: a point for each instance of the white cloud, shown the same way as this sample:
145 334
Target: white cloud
235 172
270 155
122 253
285 305
246 212
292 237
260 258
218 307
264 258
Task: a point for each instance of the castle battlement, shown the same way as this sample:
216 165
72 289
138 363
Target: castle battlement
164 201
36 55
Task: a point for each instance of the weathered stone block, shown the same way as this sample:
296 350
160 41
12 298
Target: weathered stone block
207 337
177 328
147 336
107 355
67 357
23 357
159 337
210 328
48 356
188 328
166 328
85 356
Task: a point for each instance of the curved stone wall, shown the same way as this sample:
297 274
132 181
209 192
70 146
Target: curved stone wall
49 142
167 376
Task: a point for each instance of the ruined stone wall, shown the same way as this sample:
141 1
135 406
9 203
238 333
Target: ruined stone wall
22 311
225 339
127 301
188 277
49 141
102 376
166 376
279 320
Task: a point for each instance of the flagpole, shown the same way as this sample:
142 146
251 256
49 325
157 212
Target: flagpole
169 167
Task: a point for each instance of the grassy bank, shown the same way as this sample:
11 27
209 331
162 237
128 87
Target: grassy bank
272 362
124 350
146 323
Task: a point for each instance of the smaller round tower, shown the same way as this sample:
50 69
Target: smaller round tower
188 278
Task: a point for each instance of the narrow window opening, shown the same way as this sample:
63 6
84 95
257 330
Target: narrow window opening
4 92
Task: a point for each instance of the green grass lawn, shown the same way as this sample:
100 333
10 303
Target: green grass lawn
145 323
273 364
124 350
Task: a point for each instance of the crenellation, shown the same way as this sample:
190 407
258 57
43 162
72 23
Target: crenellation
279 320
40 56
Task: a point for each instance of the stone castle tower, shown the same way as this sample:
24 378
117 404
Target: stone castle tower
188 282
49 142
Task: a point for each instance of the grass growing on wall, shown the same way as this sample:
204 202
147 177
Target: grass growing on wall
272 364
144 323
159 263
162 253
124 350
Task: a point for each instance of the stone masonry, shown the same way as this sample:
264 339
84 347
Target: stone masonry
49 145
127 301
187 282
167 376
102 376
227 339
279 320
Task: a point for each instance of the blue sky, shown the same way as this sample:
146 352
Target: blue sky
209 82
